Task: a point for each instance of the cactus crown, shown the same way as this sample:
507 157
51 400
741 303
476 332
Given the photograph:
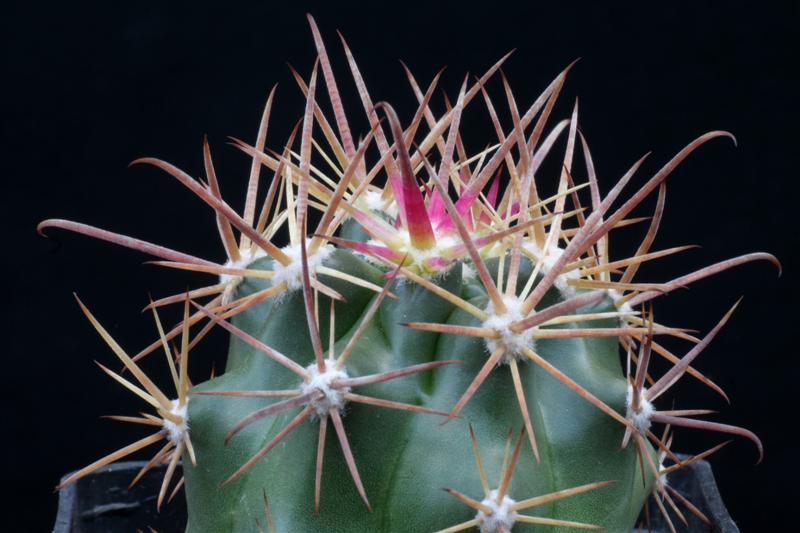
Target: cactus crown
423 319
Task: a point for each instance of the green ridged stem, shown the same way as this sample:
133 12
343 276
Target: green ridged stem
405 459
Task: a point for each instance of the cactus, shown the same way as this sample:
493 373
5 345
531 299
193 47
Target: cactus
408 330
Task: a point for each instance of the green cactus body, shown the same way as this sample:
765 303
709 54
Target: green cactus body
405 458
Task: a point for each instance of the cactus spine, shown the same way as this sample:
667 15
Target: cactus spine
402 337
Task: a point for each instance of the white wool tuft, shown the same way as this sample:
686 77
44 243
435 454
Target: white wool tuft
292 273
616 296
418 257
552 255
321 381
663 479
467 272
175 432
512 341
374 202
502 517
640 418
245 259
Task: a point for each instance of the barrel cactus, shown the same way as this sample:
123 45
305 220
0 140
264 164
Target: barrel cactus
428 306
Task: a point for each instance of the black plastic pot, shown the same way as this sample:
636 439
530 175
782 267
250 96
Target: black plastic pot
696 482
102 503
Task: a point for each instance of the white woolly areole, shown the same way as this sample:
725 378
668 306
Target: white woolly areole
374 202
468 273
616 296
495 249
663 479
640 418
292 273
513 342
502 517
321 381
245 259
175 432
443 243
417 256
549 259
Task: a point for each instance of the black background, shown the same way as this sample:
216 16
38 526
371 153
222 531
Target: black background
91 87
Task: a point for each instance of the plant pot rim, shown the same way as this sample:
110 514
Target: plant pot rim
119 505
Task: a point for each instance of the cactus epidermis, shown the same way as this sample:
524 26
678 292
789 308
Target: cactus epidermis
404 459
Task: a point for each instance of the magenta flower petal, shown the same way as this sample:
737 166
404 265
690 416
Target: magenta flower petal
438 213
409 199
419 227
